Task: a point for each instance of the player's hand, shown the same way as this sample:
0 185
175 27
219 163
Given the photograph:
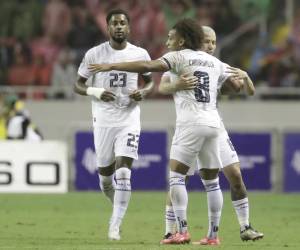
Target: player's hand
236 73
99 67
108 96
186 82
138 95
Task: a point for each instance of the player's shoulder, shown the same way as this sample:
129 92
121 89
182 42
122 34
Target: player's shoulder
174 54
98 48
132 47
214 59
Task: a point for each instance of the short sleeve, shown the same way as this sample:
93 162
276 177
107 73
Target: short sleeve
223 75
83 68
173 61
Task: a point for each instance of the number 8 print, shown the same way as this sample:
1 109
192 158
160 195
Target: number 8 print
202 88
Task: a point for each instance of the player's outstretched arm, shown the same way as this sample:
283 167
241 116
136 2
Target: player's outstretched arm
136 66
184 82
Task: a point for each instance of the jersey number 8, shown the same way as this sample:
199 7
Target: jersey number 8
202 88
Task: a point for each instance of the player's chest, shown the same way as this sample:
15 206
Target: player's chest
120 56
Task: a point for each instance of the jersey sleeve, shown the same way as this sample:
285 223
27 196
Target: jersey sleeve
173 61
89 58
223 75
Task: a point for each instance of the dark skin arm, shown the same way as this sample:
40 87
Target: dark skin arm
80 88
140 94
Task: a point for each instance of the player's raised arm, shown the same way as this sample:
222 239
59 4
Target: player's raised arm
136 66
184 82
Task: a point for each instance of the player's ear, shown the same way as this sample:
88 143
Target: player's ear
181 42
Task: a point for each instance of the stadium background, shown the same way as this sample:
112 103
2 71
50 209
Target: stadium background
39 37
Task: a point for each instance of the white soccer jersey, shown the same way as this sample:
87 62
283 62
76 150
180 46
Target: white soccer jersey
198 106
123 111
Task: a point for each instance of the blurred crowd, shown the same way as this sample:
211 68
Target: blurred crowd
43 41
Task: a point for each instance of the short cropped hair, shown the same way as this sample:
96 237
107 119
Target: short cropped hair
191 32
117 12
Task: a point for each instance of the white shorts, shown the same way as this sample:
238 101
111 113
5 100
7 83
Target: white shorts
196 142
227 153
111 142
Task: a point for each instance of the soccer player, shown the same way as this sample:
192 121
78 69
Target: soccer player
198 121
229 158
116 113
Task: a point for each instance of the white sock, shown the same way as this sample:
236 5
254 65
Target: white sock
242 211
214 204
107 185
122 195
179 199
170 220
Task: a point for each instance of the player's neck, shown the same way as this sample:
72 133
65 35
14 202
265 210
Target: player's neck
117 46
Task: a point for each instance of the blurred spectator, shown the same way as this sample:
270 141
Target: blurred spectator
47 47
218 14
84 32
148 25
21 73
64 75
250 9
41 71
294 37
20 19
277 62
177 9
19 125
56 23
57 20
225 19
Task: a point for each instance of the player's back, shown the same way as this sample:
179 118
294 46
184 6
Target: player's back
197 106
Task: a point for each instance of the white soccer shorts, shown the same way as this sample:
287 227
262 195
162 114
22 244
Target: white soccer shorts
227 153
111 142
196 142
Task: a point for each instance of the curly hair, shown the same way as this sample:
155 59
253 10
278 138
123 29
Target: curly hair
191 32
117 12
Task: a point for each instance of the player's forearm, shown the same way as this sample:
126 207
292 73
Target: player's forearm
80 87
140 66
